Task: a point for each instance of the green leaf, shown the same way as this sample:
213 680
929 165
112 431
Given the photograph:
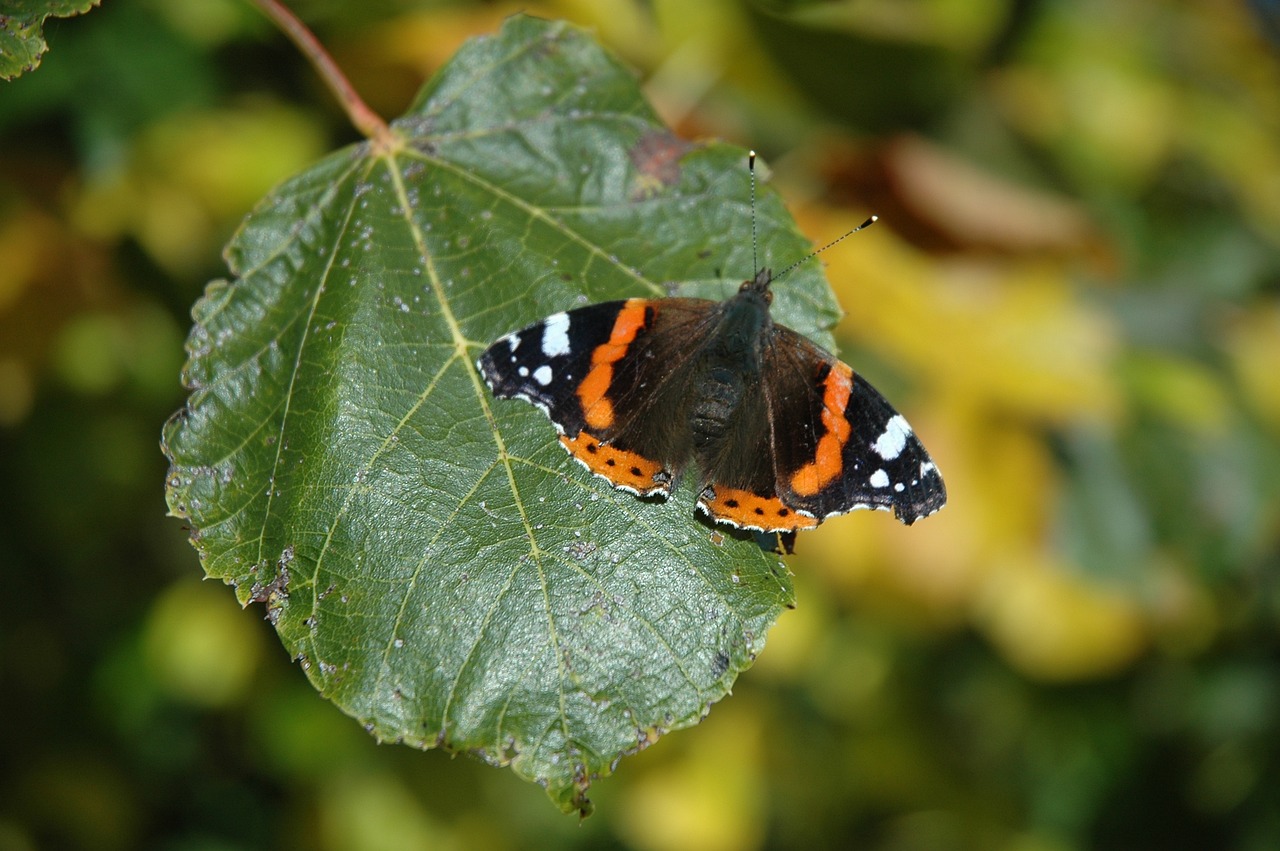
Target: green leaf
21 31
439 566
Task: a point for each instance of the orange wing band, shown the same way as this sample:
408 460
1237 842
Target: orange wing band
828 461
627 470
750 511
594 389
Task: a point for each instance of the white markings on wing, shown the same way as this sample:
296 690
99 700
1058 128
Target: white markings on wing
890 444
555 335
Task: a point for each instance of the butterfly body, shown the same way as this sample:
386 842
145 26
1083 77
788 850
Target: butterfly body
782 433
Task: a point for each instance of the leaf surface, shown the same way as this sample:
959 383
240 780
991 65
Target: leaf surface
22 31
441 569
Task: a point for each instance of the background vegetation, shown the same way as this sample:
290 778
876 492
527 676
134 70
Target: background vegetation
1073 294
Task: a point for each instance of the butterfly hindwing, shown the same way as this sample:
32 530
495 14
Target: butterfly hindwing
845 447
833 445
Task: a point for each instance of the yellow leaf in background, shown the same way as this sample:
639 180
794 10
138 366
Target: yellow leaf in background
1001 483
97 352
199 646
1013 337
843 667
1254 343
207 22
963 26
424 40
1228 136
1117 117
626 26
709 796
190 178
1181 391
798 632
1107 111
712 54
1120 124
1053 624
256 144
29 241
370 810
27 237
1107 122
89 353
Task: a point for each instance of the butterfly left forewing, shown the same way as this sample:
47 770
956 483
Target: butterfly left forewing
544 363
603 374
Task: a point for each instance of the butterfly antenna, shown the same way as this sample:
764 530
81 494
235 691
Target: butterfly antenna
868 223
751 167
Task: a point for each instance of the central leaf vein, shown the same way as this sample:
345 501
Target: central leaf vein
461 345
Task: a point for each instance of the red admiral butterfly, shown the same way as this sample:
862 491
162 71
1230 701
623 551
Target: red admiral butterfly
784 433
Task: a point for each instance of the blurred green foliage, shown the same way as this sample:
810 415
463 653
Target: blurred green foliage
1073 294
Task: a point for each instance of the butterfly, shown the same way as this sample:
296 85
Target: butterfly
783 433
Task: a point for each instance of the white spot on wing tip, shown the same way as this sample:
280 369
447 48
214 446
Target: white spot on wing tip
879 479
890 443
555 335
543 375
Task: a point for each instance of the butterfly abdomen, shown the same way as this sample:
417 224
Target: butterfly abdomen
718 398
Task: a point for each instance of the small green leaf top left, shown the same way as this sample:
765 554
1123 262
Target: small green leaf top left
22 31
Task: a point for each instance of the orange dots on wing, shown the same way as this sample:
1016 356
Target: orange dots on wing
828 462
593 392
747 510
623 468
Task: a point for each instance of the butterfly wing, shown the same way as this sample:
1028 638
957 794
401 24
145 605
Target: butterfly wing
738 469
838 444
613 379
809 438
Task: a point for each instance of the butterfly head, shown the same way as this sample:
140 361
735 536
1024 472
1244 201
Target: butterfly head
758 287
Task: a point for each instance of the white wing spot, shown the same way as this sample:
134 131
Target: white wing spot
879 479
555 335
926 467
890 444
524 371
899 487
542 375
513 340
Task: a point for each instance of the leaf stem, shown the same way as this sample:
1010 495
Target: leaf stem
365 119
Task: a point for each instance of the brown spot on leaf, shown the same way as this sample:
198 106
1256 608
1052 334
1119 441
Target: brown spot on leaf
656 156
